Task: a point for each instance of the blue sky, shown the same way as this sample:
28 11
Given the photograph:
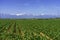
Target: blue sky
36 7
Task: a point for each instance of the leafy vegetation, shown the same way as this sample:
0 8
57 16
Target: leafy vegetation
29 29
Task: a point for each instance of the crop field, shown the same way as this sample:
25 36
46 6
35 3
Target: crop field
29 29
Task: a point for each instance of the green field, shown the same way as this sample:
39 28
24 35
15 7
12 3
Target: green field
29 29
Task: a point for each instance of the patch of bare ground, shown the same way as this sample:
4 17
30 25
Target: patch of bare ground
43 35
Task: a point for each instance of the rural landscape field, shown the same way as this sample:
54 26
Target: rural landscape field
29 29
29 19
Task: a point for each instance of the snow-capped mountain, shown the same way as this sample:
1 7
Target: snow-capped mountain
26 16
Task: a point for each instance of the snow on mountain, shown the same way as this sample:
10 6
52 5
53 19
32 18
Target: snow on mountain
26 16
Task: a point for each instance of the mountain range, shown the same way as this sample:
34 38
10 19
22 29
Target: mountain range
27 16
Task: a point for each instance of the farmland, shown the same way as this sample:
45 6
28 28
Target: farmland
29 29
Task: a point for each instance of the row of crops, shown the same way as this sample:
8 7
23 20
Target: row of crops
29 29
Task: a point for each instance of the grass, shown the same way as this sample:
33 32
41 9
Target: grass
28 29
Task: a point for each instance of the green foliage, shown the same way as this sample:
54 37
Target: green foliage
28 29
